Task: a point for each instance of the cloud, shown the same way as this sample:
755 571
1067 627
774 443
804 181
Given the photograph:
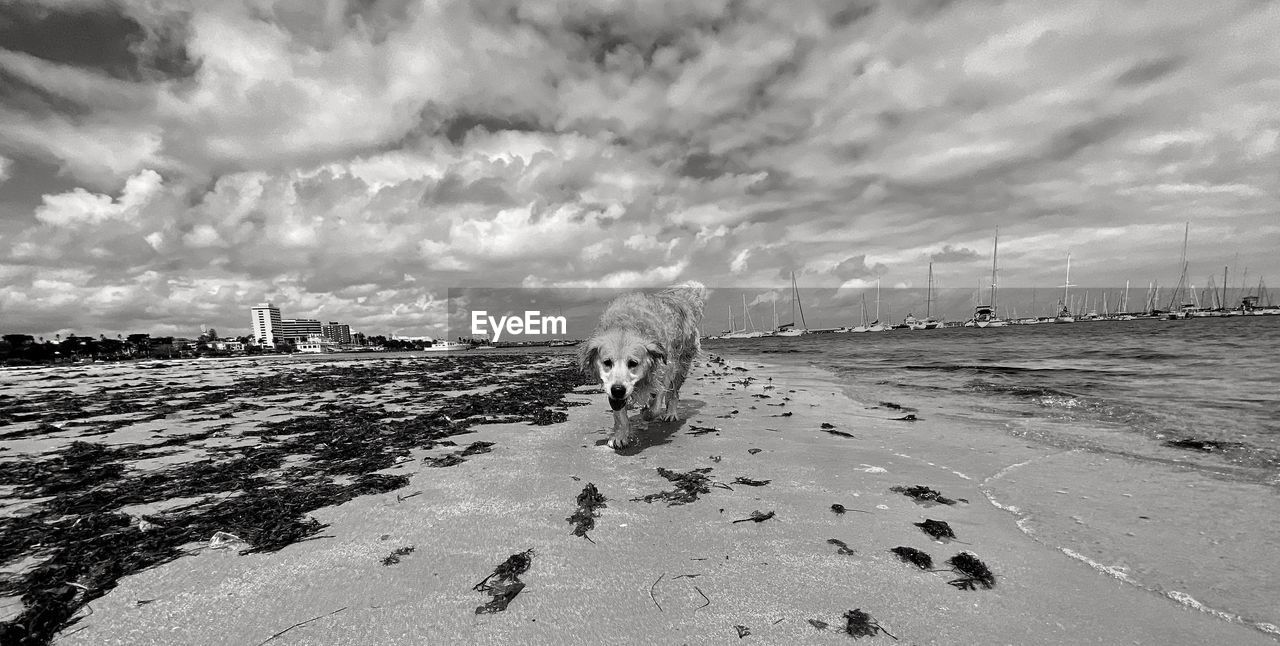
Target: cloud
355 160
948 253
82 207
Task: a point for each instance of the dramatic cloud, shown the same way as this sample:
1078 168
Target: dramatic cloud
165 165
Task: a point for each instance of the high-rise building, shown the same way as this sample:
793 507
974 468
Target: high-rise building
301 329
264 320
338 332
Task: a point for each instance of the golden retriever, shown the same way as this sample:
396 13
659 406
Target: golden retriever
641 352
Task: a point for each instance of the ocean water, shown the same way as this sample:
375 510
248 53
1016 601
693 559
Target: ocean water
1099 402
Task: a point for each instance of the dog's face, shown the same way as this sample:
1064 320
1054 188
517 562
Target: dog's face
621 359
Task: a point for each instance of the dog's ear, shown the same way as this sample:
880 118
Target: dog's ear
587 357
657 352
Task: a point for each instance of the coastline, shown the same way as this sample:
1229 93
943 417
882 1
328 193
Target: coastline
771 577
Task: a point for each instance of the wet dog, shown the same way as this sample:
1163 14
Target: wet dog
641 352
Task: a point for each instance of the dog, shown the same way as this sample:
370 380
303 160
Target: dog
641 352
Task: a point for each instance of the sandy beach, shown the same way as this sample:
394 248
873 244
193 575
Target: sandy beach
654 572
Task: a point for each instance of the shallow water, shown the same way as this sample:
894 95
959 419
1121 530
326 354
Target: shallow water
1101 400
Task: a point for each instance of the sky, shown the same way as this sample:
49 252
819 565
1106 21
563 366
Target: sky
168 165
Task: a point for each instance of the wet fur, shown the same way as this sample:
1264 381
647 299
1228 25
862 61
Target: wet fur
659 334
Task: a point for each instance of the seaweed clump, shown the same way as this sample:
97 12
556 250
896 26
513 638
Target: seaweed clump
394 556
860 624
504 584
844 549
590 501
938 529
689 486
914 556
975 572
923 494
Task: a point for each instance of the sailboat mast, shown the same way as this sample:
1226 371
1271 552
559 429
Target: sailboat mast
995 247
795 300
1066 287
1174 305
1223 300
928 296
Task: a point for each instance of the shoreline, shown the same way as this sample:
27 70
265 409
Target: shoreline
648 569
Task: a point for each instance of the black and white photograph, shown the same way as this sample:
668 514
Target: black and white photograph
403 322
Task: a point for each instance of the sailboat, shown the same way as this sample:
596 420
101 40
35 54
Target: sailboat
876 325
1064 314
928 322
985 315
1181 310
747 331
790 329
863 326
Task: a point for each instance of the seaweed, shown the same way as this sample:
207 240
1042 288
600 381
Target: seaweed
844 550
311 457
833 431
923 495
756 517
689 486
702 430
914 556
975 572
504 584
860 624
590 501
936 528
819 624
840 509
743 631
394 556
743 480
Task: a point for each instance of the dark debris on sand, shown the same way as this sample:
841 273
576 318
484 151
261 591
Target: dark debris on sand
860 624
590 502
689 486
938 529
923 495
843 548
975 572
394 556
83 544
914 556
756 516
743 480
504 584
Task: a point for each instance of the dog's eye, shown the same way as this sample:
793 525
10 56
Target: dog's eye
633 364
608 363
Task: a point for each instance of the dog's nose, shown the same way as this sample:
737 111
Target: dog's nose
616 391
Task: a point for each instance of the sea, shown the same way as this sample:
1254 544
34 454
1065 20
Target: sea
1148 450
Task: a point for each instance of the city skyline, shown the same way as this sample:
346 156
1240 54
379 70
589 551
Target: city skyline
166 166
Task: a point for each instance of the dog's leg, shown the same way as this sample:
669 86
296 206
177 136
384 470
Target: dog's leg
650 408
621 437
672 395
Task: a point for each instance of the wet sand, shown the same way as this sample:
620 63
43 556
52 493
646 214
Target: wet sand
653 573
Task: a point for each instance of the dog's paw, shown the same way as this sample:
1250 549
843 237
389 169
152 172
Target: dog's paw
617 443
